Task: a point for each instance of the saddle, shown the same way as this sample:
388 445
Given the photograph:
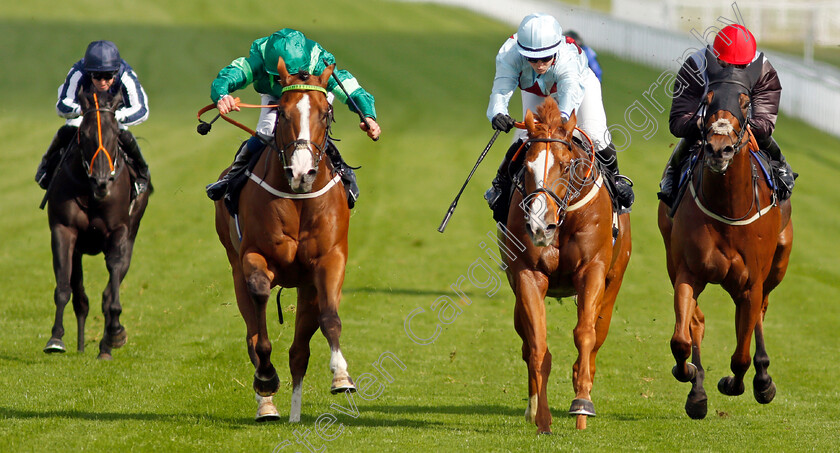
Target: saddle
238 182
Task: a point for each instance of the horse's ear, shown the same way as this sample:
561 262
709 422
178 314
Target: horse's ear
569 125
84 101
325 76
529 121
282 71
744 101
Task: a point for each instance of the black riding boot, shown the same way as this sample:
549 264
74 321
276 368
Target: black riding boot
217 190
623 185
498 195
668 185
784 175
48 162
348 176
129 145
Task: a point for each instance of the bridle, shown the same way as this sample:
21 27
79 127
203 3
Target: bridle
562 204
295 144
88 166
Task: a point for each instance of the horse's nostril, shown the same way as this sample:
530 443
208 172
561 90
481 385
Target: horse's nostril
312 172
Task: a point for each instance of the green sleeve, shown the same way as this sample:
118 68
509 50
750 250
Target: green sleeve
239 73
363 99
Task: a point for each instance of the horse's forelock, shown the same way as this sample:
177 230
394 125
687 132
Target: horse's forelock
550 118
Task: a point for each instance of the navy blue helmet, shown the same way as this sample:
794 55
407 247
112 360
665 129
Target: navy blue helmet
102 56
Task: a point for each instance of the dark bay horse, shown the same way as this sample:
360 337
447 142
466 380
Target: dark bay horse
563 219
91 211
728 230
291 231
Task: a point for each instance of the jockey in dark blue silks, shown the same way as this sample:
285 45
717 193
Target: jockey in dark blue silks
734 45
101 69
260 69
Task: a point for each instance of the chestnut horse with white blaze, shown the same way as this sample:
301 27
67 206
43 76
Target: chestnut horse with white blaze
729 230
293 219
563 218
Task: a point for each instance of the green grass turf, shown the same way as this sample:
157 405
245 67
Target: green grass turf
182 383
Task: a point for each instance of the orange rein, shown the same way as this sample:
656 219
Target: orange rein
99 137
234 122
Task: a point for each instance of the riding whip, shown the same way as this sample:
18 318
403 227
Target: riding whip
455 201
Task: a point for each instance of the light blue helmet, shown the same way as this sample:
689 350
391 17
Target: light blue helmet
539 36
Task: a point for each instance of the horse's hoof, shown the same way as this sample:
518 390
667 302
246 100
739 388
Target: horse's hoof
118 340
692 373
55 345
266 410
342 385
105 356
764 396
581 406
696 409
726 385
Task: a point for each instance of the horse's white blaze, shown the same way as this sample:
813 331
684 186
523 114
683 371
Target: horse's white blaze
538 207
294 411
337 364
722 127
302 160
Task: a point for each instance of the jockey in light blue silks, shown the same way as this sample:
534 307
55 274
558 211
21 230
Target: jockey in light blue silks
260 68
542 62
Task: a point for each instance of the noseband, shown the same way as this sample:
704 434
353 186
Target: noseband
282 148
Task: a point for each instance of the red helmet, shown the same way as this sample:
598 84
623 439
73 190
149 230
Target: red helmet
735 45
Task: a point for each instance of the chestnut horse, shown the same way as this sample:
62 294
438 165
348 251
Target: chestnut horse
729 230
91 211
563 219
291 231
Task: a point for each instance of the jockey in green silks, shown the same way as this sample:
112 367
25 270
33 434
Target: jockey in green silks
260 68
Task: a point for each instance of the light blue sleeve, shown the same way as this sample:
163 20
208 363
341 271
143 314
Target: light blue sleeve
567 73
506 80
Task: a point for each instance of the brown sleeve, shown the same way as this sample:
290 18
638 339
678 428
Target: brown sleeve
765 101
688 92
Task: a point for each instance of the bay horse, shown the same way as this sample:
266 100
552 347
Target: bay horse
291 231
563 224
729 230
91 210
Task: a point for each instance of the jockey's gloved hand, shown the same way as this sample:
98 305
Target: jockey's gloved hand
502 122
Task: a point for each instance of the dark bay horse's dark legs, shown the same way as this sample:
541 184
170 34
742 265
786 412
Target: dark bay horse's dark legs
63 242
81 304
117 259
